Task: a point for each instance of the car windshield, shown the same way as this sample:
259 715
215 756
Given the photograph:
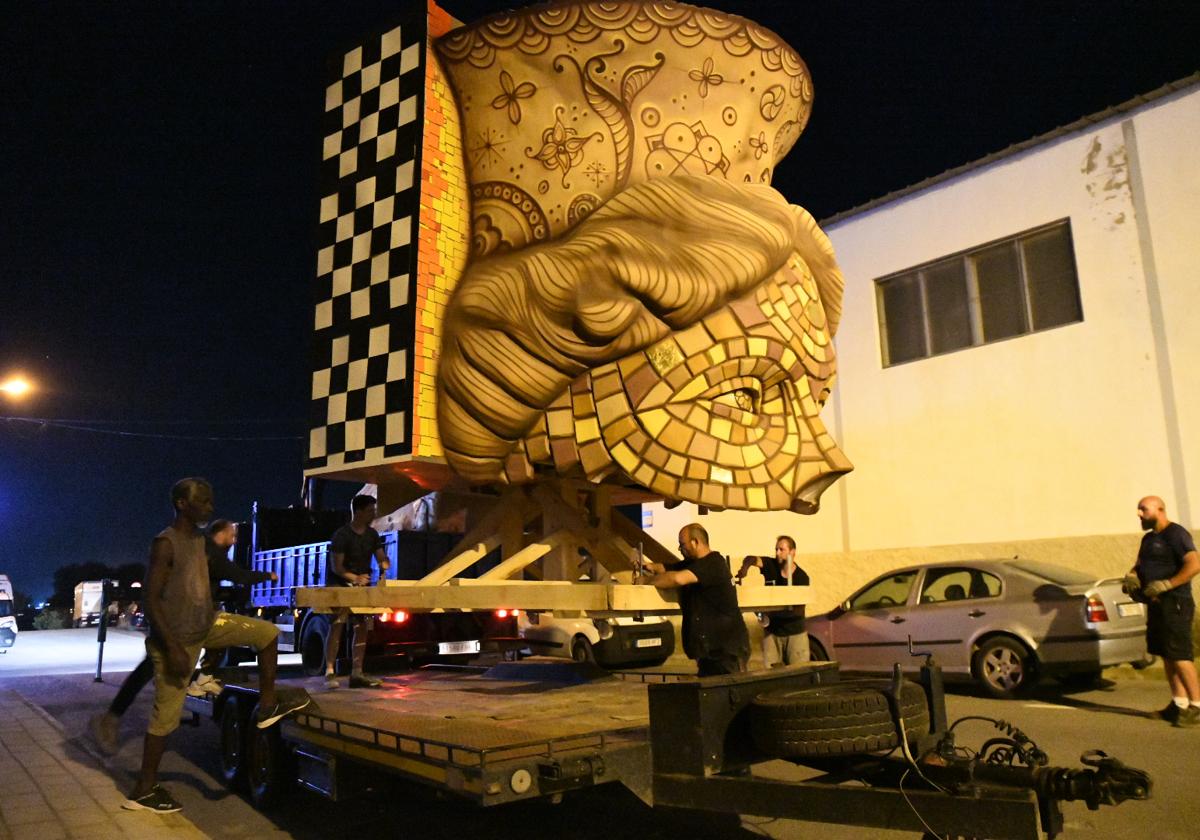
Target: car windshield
1052 573
5 607
885 592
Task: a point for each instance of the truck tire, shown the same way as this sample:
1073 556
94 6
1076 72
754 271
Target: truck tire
269 774
312 645
847 718
234 722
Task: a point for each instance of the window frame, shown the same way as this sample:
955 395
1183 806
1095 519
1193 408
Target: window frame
974 306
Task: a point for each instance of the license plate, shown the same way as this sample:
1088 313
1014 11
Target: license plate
648 643
451 648
1128 609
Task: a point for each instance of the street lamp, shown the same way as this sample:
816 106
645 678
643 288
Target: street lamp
16 386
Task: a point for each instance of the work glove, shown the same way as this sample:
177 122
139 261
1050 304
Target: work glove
1156 587
1131 585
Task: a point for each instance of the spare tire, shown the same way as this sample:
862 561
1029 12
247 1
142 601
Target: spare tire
846 718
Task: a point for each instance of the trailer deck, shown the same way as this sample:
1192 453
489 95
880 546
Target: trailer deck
493 735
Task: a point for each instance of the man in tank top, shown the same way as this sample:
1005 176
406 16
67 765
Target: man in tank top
182 621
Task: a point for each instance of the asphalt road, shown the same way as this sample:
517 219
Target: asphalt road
1115 719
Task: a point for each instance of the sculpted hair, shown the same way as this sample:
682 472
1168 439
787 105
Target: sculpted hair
361 502
784 538
183 489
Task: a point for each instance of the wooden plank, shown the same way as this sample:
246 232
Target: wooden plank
652 549
589 598
529 554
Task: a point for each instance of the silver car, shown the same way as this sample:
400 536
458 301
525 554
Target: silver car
1003 623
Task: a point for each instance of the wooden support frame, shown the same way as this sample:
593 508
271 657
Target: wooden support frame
576 518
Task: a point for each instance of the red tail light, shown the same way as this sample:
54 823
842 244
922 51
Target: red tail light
507 613
400 616
385 617
1095 609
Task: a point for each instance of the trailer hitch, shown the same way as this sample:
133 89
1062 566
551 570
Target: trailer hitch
1110 782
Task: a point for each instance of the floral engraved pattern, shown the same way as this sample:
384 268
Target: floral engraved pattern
706 77
759 145
512 96
561 148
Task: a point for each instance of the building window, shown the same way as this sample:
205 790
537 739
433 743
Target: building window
1003 289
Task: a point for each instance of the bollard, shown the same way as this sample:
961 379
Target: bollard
102 630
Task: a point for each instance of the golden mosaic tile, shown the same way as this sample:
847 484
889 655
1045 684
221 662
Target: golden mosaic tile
704 448
653 421
619 429
694 341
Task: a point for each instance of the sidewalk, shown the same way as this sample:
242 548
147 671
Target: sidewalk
54 788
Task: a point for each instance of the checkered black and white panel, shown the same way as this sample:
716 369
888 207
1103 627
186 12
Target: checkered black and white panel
366 262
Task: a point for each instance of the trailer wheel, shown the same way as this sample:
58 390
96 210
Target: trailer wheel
267 762
847 718
313 639
234 721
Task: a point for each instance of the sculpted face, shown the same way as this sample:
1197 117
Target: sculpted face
676 332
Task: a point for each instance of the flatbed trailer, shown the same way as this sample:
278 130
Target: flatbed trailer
538 729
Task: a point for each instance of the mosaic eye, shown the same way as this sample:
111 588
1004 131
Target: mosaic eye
747 399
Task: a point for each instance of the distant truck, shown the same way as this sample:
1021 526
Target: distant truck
8 615
89 597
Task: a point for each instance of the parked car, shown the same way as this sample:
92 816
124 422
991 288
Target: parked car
1003 623
613 642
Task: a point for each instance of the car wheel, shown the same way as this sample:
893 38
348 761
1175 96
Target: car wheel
581 650
1004 668
847 718
816 651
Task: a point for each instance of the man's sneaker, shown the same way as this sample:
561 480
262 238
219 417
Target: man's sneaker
282 708
157 800
1169 712
204 684
104 730
1188 717
331 681
364 681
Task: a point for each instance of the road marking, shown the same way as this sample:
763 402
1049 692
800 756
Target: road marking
1054 706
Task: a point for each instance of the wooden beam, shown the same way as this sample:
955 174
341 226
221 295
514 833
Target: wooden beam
590 598
529 554
652 549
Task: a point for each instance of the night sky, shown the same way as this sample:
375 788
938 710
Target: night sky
159 177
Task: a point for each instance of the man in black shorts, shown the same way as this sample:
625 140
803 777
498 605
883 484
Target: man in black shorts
1166 563
714 631
350 555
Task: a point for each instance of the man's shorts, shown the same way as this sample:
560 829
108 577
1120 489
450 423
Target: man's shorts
228 630
1169 628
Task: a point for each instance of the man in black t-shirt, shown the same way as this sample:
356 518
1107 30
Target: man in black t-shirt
350 554
784 640
1162 578
714 631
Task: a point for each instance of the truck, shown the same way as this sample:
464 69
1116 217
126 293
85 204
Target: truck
418 638
8 615
89 595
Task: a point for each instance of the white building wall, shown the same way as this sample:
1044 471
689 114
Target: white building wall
1051 436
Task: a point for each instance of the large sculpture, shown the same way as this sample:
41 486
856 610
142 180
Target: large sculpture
553 268
640 307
